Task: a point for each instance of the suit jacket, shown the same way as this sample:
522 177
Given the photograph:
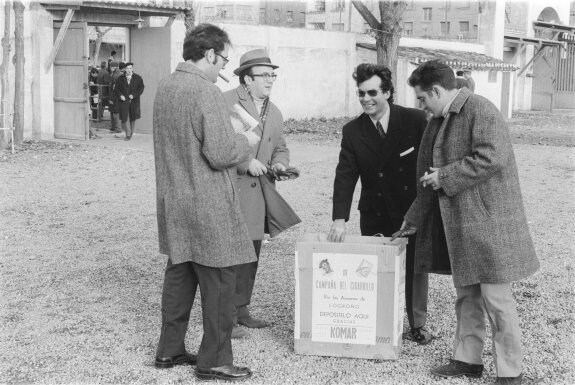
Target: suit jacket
386 167
480 201
270 150
129 109
196 151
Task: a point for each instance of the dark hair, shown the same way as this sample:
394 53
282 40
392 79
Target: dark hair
122 65
366 71
432 73
128 64
113 53
247 71
203 38
103 64
459 73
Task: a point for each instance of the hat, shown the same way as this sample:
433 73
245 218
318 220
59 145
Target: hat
255 57
113 64
122 65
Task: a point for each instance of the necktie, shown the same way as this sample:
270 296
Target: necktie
380 130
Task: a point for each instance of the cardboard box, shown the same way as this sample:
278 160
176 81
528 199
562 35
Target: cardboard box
349 297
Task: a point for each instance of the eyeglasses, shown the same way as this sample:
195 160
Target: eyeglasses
226 60
371 93
267 76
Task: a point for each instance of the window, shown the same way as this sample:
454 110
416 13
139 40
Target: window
209 12
445 26
290 17
337 26
338 5
277 16
464 26
426 14
410 4
225 12
492 77
320 6
408 29
244 12
318 26
262 15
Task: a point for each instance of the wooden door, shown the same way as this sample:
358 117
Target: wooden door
71 83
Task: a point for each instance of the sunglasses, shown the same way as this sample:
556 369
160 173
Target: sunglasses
371 93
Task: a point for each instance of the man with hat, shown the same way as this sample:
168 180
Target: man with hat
113 103
470 80
257 77
128 88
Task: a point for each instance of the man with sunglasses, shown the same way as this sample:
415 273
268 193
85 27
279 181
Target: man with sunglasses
380 147
200 225
257 77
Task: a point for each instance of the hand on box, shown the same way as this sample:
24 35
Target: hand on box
406 229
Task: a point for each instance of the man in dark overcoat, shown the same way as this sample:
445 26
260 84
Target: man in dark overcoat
380 147
470 220
257 76
200 225
113 103
128 88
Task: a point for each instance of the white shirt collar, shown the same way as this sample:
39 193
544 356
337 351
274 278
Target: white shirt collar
384 120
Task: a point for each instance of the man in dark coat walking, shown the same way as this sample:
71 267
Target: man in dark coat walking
380 147
200 224
128 89
469 219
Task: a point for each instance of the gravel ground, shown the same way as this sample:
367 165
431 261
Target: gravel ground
81 277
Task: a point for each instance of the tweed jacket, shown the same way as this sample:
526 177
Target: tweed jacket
129 110
196 151
270 150
386 167
480 200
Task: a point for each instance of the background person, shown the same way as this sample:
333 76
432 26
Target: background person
200 225
460 81
128 89
380 147
469 78
256 74
114 103
469 215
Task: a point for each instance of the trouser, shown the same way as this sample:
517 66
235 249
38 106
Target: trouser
115 120
129 131
495 300
245 280
217 287
416 284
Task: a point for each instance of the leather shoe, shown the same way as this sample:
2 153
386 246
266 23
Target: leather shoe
457 369
509 380
419 335
252 323
180 359
224 373
238 332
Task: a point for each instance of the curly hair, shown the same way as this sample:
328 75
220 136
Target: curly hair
366 71
203 38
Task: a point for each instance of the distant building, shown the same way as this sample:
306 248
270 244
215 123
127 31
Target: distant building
289 14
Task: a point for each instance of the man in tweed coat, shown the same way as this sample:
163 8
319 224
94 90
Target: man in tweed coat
469 217
200 225
256 82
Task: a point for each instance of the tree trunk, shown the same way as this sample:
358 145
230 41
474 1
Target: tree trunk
4 107
19 71
99 37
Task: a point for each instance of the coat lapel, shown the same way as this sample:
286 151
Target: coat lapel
368 134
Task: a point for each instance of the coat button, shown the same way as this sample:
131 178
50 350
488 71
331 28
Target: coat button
405 188
378 214
379 194
401 169
254 184
380 175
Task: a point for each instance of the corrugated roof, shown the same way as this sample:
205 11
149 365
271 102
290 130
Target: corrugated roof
454 59
162 4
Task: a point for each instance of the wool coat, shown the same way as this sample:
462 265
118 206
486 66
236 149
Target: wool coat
196 151
129 110
480 201
386 167
270 150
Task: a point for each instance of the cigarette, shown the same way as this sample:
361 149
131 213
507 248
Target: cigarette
424 182
223 77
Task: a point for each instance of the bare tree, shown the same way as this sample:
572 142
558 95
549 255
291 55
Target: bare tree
99 37
4 68
189 15
387 29
19 71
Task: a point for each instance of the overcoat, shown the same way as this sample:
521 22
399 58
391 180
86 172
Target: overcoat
114 106
386 167
270 150
196 151
480 200
129 110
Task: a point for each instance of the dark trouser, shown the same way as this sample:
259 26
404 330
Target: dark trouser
217 287
129 131
246 278
416 284
115 119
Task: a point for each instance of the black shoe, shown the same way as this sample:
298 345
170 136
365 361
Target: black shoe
252 323
128 138
224 373
419 335
457 369
170 362
239 333
509 380
116 131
